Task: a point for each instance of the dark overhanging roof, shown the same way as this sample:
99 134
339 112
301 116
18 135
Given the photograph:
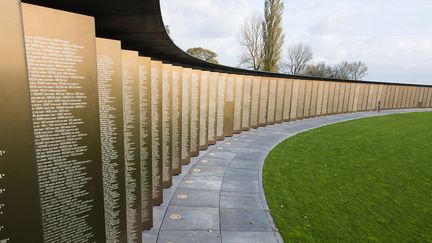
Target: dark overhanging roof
138 24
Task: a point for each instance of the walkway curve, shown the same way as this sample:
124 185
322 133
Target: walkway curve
219 196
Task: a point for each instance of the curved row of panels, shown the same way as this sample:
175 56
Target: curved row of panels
90 134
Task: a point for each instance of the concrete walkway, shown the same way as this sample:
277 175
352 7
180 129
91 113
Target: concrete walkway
219 196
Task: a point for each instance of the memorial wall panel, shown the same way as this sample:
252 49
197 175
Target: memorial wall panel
61 57
255 102
308 99
280 100
417 99
212 110
301 99
320 94
352 97
429 102
294 99
186 115
346 97
229 105
166 125
400 98
331 98
425 97
176 119
246 107
404 95
220 116
314 99
204 110
422 97
336 98
262 121
370 97
109 70
131 131
326 96
396 97
271 105
341 96
238 103
195 112
407 96
156 134
287 99
20 216
144 72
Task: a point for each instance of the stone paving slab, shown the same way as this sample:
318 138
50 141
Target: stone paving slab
219 196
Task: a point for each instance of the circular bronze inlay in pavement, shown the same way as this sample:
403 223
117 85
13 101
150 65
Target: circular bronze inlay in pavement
189 181
227 143
204 161
182 196
175 216
196 170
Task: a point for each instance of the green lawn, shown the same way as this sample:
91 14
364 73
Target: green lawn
367 180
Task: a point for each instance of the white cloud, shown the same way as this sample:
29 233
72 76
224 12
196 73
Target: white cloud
392 36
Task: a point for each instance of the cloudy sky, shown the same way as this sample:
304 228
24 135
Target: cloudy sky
393 37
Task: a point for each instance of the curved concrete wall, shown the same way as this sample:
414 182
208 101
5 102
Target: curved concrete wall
116 117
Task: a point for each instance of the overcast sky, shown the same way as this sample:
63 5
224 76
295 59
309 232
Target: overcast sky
393 37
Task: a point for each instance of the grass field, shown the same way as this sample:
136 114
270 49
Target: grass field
367 180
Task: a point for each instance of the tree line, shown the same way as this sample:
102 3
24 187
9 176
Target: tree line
262 40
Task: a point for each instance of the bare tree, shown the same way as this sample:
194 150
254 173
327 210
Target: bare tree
251 38
359 70
351 70
320 69
298 58
273 36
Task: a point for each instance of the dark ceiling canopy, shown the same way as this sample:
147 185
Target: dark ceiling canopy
139 26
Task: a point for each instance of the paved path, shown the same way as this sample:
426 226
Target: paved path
219 196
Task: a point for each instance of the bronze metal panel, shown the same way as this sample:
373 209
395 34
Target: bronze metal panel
294 99
346 97
287 99
314 99
400 97
167 157
238 103
144 72
370 97
360 97
156 134
280 100
195 112
397 97
61 57
336 98
331 98
384 96
357 98
212 106
340 98
186 115
392 96
308 99
176 119
417 97
20 216
229 106
403 98
320 94
220 116
301 99
255 102
365 96
411 97
262 121
204 110
131 131
271 105
326 96
423 97
109 69
351 97
429 103
246 109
